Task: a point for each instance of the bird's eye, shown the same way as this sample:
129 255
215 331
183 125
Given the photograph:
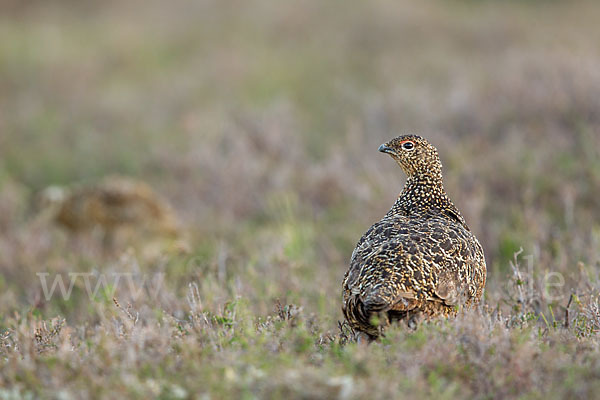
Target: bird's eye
408 145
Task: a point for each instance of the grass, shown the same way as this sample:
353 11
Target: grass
260 123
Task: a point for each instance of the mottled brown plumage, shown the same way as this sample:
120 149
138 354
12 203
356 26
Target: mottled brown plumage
114 203
421 260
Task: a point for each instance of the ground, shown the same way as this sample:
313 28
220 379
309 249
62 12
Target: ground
260 121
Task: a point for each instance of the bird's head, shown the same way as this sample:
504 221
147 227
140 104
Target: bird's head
415 155
51 197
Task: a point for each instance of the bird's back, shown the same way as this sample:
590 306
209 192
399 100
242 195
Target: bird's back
420 260
403 263
116 202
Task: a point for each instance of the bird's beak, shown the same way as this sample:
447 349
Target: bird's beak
385 149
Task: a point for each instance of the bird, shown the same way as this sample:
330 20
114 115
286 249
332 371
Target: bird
421 260
110 205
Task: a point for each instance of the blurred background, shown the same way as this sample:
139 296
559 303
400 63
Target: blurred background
259 122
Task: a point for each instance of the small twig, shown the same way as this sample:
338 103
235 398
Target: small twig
193 298
566 324
127 311
515 267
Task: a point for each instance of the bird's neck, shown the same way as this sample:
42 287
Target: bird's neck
421 193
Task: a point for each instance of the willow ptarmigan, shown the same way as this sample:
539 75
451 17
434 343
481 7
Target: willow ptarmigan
113 203
421 260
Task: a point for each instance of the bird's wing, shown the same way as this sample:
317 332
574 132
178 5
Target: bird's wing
454 251
369 246
399 263
375 276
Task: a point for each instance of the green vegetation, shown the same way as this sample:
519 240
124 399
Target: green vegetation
260 122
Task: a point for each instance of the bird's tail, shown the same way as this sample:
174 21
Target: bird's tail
362 315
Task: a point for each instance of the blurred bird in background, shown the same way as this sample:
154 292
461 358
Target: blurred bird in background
117 210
